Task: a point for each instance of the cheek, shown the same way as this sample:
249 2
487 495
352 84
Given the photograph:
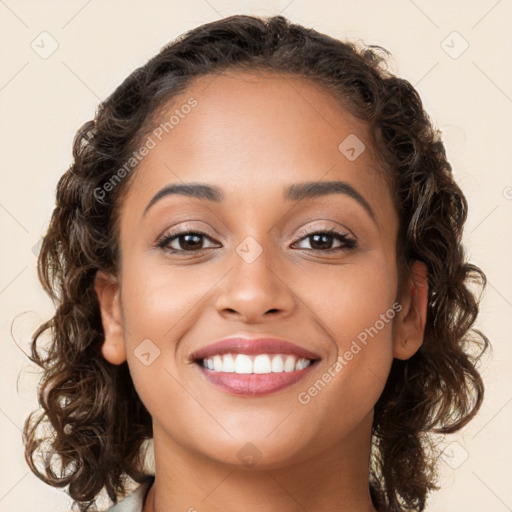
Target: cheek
357 310
351 299
160 304
157 299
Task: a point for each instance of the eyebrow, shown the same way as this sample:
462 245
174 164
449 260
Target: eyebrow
312 189
295 192
197 190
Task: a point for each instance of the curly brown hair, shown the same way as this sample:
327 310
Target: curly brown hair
97 422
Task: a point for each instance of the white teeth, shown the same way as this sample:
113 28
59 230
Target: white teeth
301 364
289 364
243 364
228 363
262 364
277 364
256 364
217 363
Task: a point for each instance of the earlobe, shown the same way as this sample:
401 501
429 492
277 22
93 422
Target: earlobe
410 323
107 290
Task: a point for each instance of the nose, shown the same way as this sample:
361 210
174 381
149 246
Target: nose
255 292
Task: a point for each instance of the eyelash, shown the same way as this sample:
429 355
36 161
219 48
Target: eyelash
347 241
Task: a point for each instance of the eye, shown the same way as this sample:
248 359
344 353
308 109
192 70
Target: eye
183 241
322 241
188 241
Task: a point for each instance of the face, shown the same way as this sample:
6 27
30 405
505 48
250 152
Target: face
259 256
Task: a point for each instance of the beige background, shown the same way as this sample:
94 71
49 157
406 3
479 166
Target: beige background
44 101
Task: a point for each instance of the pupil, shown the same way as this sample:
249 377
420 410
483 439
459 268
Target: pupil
320 236
187 243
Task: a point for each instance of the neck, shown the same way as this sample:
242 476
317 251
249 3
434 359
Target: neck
332 481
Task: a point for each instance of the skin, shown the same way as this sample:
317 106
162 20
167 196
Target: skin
252 135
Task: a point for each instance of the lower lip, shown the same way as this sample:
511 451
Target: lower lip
254 384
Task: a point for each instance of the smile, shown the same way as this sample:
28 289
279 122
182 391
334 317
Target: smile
255 364
254 375
253 367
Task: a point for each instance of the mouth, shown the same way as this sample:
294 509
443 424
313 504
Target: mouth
254 364
254 367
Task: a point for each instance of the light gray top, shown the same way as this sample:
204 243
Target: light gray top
134 501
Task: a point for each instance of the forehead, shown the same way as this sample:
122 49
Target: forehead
245 112
251 133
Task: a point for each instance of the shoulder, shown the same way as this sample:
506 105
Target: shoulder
134 501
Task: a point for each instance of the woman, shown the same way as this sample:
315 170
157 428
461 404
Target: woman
257 263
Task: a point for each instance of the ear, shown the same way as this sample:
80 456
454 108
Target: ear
107 290
410 322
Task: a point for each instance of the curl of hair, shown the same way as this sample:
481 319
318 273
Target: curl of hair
98 423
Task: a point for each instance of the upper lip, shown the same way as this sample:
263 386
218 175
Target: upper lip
241 345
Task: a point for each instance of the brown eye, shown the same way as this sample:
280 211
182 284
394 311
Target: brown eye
186 241
323 241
